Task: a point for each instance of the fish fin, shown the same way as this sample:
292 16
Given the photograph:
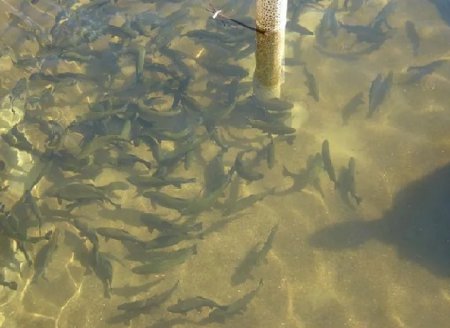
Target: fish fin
286 172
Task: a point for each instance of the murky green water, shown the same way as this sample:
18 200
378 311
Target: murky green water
94 93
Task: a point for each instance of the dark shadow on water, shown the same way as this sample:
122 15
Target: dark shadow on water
418 225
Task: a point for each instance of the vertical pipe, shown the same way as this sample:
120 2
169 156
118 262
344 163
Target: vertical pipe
271 18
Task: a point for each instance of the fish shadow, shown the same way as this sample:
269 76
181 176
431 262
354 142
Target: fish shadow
417 225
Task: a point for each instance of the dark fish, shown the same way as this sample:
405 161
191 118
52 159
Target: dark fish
254 257
140 57
81 193
181 151
306 176
381 17
86 231
245 202
165 240
44 256
271 128
351 107
379 89
244 171
416 73
154 221
99 142
328 26
103 269
145 305
413 37
364 33
207 200
118 234
129 291
327 164
145 181
347 183
29 199
311 84
237 307
223 69
165 261
214 173
193 303
209 36
168 201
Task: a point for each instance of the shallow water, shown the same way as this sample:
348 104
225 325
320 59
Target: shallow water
332 263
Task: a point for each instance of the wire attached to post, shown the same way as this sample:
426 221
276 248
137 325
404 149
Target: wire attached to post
217 14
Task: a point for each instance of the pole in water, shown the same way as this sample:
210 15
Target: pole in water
271 18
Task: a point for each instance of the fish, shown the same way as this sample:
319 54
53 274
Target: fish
379 89
117 234
81 193
306 176
244 171
214 173
347 183
29 199
169 239
44 256
86 231
413 37
254 257
381 17
181 151
223 69
140 58
129 291
144 305
237 307
154 221
165 261
366 33
198 205
311 83
124 159
415 73
103 269
328 25
245 202
193 303
166 200
352 106
327 164
267 127
145 181
99 142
